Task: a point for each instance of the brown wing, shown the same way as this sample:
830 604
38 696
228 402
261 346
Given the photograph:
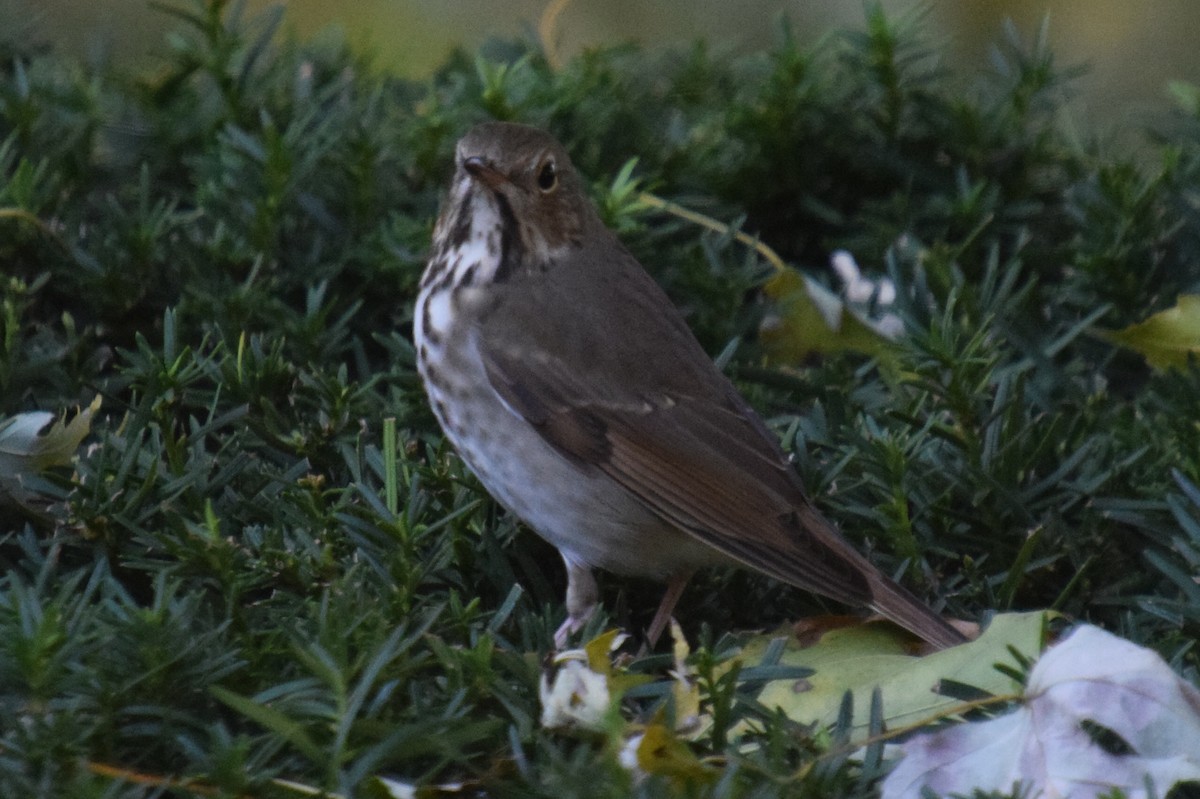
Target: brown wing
688 465
618 383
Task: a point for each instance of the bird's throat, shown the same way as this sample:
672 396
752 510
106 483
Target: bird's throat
473 239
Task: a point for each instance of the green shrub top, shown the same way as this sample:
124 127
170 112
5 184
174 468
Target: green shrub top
227 252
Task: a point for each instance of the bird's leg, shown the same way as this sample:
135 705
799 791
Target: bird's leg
675 587
582 598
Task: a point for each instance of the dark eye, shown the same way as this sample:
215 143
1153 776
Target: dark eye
547 177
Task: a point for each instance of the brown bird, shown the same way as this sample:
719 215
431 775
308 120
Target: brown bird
573 389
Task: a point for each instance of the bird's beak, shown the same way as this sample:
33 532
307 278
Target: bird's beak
481 170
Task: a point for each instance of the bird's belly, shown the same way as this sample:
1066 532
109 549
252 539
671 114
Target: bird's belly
578 509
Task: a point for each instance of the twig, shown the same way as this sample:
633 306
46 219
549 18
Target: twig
548 31
769 255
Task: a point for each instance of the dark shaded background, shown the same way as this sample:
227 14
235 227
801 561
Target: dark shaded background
1132 49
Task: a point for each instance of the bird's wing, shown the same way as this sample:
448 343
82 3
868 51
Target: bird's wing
633 395
609 375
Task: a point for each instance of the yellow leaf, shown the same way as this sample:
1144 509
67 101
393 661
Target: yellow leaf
857 659
660 752
599 651
33 442
685 689
36 444
1166 339
810 319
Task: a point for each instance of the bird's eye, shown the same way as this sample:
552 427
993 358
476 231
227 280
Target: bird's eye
547 177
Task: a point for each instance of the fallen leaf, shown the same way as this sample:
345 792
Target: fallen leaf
685 687
1101 715
808 318
859 659
583 684
658 751
575 697
35 441
1166 339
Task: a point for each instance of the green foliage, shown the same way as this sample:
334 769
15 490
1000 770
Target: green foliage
228 251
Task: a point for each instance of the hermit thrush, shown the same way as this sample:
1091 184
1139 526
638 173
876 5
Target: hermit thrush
573 389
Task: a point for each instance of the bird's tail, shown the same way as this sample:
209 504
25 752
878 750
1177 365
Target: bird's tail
897 604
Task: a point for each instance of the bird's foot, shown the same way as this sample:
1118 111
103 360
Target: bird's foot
568 628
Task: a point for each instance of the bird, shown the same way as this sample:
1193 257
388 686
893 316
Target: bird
573 389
